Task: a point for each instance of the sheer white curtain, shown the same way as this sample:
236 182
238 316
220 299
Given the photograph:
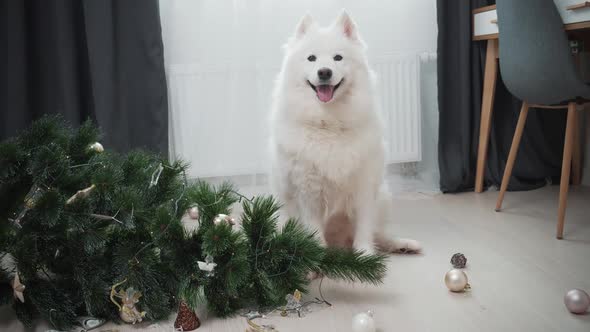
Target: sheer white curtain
222 57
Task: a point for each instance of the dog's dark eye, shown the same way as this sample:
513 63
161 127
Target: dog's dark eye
337 57
311 58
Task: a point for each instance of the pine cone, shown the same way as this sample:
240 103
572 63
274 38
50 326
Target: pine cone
187 319
458 260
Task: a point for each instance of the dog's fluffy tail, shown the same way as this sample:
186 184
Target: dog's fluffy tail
384 237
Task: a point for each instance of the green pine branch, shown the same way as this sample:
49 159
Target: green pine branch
353 266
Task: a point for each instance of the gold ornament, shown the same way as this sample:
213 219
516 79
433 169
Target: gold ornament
96 147
457 281
31 199
127 310
80 194
253 327
18 288
29 203
293 303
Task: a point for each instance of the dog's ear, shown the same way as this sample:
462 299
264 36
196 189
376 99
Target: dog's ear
345 23
304 25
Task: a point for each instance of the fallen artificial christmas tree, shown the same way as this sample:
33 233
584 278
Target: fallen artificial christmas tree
76 223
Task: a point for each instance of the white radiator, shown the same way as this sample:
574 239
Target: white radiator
399 94
218 114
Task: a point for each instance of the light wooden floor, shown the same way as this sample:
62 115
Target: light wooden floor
518 270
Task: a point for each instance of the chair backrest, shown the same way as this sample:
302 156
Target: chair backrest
535 57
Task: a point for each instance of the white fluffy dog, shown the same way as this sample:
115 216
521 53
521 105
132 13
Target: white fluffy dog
327 149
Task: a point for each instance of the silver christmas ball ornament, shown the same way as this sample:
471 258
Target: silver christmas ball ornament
577 301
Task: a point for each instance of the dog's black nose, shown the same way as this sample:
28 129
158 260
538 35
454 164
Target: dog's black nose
325 74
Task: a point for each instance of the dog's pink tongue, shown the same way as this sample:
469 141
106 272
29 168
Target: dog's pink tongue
325 92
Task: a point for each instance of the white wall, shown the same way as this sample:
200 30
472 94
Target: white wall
205 31
238 44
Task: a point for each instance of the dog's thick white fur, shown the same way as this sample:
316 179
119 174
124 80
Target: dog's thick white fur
326 144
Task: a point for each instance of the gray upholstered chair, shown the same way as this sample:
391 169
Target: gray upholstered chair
537 67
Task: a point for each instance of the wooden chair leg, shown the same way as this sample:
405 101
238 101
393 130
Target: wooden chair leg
568 147
513 152
487 108
577 154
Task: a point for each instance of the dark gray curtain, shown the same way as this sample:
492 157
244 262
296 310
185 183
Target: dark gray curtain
96 59
460 81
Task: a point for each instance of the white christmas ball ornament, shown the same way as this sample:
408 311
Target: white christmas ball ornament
96 147
223 218
363 322
577 301
456 280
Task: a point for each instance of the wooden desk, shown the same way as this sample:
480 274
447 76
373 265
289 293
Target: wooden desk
576 17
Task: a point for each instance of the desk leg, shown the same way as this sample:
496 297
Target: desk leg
487 106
